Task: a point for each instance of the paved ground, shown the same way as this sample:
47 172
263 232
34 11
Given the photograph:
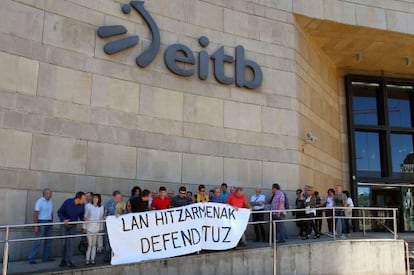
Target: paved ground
23 267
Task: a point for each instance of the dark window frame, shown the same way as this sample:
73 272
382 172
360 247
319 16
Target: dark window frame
383 128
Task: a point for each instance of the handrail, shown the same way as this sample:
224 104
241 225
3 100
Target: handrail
272 228
407 257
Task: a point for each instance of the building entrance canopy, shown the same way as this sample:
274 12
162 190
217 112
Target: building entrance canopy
359 48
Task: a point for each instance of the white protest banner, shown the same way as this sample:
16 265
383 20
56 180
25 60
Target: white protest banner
177 231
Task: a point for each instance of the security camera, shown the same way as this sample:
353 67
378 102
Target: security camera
311 137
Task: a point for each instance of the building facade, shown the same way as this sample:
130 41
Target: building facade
248 92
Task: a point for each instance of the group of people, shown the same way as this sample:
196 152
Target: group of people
309 200
88 207
308 212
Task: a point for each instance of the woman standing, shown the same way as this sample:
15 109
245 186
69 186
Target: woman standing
93 212
310 211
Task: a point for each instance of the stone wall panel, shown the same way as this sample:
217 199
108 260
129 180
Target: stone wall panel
199 169
64 84
15 148
111 160
158 165
51 153
18 73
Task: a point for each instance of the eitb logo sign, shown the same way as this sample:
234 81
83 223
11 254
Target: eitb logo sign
180 59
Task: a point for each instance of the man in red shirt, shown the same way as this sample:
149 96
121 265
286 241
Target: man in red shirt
238 200
162 201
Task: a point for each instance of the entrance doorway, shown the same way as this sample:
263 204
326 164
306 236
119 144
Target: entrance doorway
386 196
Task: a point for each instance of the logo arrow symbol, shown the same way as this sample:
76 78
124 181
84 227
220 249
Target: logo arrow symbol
151 52
113 47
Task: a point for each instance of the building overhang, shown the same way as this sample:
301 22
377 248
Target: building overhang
360 49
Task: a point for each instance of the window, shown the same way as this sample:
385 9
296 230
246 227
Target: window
381 133
368 158
364 102
402 154
399 105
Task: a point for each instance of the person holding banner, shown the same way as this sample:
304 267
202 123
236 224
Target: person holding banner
217 196
110 210
238 200
201 195
162 201
140 204
224 192
181 199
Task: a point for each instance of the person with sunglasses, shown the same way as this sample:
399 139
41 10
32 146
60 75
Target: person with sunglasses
201 195
181 199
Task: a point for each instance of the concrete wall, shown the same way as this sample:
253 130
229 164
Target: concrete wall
73 118
340 257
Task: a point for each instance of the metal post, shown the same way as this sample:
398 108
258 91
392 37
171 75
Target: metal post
270 227
394 218
6 252
363 223
407 258
274 251
334 224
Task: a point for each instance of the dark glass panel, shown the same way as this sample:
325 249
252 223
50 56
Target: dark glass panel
399 107
364 102
402 155
368 157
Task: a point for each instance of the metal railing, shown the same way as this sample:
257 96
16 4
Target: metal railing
363 217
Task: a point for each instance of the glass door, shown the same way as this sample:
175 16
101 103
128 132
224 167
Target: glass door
384 196
408 208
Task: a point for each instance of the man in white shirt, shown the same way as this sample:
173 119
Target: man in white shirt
43 213
258 203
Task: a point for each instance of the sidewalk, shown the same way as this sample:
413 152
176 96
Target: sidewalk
23 267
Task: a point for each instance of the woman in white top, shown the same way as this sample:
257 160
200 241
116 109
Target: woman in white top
93 212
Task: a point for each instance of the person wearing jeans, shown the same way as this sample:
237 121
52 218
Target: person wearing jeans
43 213
257 201
278 203
72 210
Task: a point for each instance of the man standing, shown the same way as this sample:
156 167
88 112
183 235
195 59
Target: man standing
224 193
162 201
88 197
217 196
278 203
258 201
181 199
72 210
140 203
110 210
238 200
43 213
